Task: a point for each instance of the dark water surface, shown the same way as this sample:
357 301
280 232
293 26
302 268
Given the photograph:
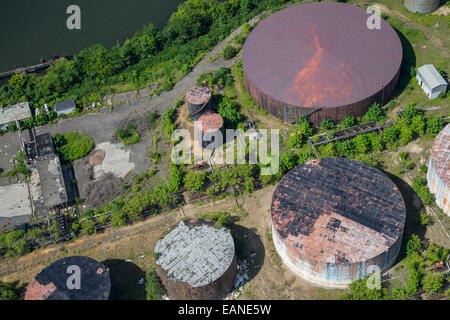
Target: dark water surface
35 29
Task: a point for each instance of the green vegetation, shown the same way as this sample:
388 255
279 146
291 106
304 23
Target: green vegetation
169 118
8 291
195 181
229 52
222 219
19 167
153 285
222 76
228 110
128 136
73 145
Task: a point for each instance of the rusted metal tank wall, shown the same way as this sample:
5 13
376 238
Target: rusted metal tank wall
438 187
421 6
327 274
194 108
290 113
216 290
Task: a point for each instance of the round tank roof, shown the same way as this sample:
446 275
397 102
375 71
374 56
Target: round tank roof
194 252
52 282
321 55
337 211
211 122
198 95
440 154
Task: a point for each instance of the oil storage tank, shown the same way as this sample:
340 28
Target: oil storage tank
320 60
421 6
71 278
212 130
332 218
438 175
196 261
198 99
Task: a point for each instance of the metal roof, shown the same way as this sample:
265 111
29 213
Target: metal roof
51 282
337 210
196 253
19 111
64 105
431 76
440 153
321 55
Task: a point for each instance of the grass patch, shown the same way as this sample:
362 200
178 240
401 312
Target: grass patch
128 136
73 145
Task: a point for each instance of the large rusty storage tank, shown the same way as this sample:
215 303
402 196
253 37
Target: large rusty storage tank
438 176
198 99
196 261
212 130
320 60
421 6
71 278
333 218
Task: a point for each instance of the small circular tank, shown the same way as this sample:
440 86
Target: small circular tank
71 278
211 130
334 218
421 6
198 99
438 175
196 261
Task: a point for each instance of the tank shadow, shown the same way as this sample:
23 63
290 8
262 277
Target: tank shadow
408 63
414 206
249 247
127 280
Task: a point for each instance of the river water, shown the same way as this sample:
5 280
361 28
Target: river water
36 29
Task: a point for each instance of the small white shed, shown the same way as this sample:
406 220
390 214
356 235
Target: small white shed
431 81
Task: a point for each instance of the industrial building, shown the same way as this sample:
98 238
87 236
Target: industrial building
212 130
196 261
198 101
19 111
438 175
421 6
59 281
431 81
320 60
332 218
65 107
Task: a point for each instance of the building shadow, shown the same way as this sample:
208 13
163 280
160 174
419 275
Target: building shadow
127 280
249 247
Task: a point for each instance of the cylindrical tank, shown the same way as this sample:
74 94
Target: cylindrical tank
333 218
71 278
307 61
438 175
196 261
198 99
421 6
211 134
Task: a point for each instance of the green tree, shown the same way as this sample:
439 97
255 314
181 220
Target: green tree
228 110
435 124
153 285
229 52
362 143
8 291
360 291
195 181
348 121
374 113
433 282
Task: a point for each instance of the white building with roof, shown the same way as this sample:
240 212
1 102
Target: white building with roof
431 81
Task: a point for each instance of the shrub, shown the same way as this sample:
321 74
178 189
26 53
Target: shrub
374 113
221 218
195 181
327 124
348 121
433 282
73 145
128 136
153 285
435 124
228 110
8 291
229 52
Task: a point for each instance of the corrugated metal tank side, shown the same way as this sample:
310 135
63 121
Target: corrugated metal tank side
332 275
194 108
421 6
215 290
438 188
290 113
